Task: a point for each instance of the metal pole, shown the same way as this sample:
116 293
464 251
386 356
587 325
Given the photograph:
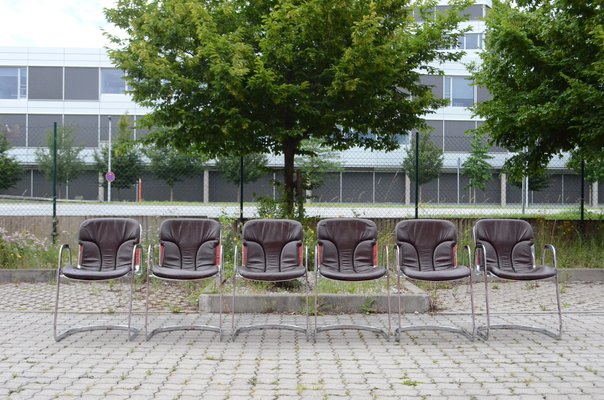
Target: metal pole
241 189
54 184
109 162
416 174
458 168
582 196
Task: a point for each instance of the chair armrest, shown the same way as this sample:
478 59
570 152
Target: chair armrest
150 258
551 248
468 252
480 248
235 260
64 247
221 258
137 255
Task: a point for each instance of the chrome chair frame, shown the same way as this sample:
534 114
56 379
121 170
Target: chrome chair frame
408 328
359 327
135 270
484 330
290 327
172 328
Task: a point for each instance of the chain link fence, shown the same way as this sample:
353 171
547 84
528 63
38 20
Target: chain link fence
354 183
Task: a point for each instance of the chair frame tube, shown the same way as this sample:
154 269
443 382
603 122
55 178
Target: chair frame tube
483 331
132 332
173 328
408 328
289 327
359 327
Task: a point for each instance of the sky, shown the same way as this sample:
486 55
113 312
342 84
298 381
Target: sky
53 23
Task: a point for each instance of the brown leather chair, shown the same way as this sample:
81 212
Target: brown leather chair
189 250
108 249
272 252
505 248
427 251
347 251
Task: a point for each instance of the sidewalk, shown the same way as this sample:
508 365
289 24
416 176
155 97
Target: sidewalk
282 365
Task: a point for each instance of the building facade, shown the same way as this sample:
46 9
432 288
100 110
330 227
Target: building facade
82 90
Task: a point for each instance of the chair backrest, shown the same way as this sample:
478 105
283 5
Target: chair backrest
426 244
508 243
347 245
272 245
107 243
189 244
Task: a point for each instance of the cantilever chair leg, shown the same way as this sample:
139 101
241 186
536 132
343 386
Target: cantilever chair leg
132 332
484 331
469 335
173 328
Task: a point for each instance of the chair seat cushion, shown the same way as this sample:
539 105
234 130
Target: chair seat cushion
271 276
374 273
539 272
91 275
447 274
184 274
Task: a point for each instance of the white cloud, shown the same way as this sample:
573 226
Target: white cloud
53 23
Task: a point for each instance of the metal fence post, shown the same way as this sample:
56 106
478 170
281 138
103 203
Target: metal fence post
54 233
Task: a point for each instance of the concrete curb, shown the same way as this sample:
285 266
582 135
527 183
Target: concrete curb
27 275
413 300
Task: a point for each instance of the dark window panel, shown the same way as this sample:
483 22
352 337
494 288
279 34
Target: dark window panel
455 137
357 187
104 123
81 84
436 132
12 126
40 126
390 187
45 83
329 192
85 129
436 81
482 94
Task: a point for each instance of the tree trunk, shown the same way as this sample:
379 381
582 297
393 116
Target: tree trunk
290 146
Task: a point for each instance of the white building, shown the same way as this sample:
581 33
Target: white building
80 88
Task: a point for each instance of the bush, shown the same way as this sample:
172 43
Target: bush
22 250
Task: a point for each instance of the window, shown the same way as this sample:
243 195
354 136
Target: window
468 41
459 91
13 83
112 81
473 41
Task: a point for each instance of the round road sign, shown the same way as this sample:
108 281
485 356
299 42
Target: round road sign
110 176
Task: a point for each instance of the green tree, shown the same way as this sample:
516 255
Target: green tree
69 162
544 66
313 162
476 167
11 171
243 76
430 160
537 179
126 159
254 167
171 165
594 165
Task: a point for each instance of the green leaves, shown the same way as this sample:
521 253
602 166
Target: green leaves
543 67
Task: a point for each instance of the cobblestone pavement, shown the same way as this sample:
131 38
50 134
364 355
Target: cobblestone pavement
283 365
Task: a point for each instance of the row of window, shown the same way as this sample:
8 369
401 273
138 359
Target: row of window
32 130
459 90
46 83
60 83
468 41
